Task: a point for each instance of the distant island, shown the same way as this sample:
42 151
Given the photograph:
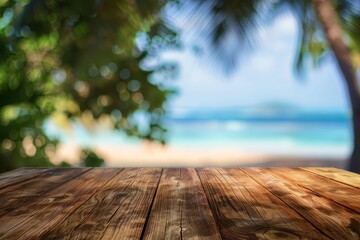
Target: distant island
273 111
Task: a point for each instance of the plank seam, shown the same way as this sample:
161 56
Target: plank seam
62 220
317 174
151 205
26 179
318 193
247 200
181 209
336 202
243 204
86 202
117 209
38 196
11 171
288 204
207 200
113 215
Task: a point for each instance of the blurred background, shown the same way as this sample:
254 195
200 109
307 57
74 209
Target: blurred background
179 83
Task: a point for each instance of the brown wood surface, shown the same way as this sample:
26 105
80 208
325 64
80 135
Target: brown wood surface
180 209
28 190
29 221
332 219
337 175
336 191
182 203
118 210
19 175
245 210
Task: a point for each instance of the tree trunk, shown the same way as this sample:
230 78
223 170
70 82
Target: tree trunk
328 18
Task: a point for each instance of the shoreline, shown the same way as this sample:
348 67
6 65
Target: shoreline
152 155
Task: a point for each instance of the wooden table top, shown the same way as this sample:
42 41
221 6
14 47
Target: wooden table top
186 203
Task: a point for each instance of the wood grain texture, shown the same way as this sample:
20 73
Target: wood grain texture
118 211
26 191
245 210
154 203
31 221
19 175
332 219
339 175
342 194
180 209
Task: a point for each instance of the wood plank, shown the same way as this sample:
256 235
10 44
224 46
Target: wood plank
180 209
342 194
334 220
243 209
314 203
19 175
118 211
339 175
26 191
28 222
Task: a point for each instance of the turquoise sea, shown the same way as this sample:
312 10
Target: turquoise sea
262 131
270 131
302 127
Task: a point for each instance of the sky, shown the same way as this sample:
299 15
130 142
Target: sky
263 76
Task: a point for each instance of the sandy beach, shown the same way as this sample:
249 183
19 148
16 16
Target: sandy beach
150 155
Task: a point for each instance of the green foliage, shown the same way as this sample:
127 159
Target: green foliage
244 18
76 60
64 164
90 159
350 19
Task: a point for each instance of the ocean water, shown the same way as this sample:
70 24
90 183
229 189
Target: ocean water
261 131
278 132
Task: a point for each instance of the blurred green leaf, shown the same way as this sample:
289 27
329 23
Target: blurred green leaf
78 61
90 159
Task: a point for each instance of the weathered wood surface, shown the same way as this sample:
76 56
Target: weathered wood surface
337 175
182 203
245 210
180 209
